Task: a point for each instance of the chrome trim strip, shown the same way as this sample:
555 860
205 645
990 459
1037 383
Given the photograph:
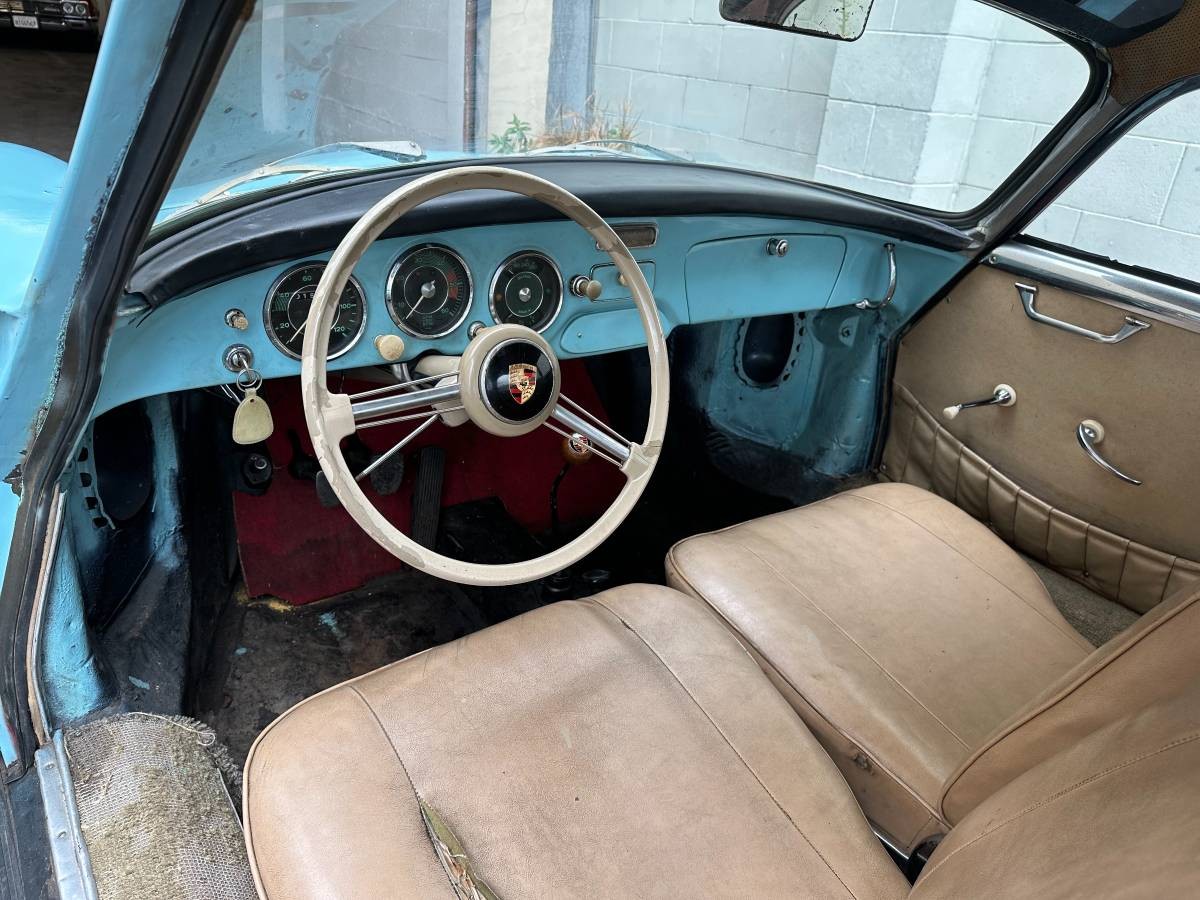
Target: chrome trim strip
626 230
68 853
1131 293
887 841
33 647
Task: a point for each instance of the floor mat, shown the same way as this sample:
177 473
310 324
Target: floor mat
295 549
1097 618
269 656
155 798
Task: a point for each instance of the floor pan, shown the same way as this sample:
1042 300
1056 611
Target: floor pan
270 655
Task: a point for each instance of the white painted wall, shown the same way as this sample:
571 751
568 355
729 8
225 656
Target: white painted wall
519 61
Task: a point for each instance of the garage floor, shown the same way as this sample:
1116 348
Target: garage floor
45 79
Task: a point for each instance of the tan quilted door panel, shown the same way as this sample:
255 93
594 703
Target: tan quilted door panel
921 452
1051 498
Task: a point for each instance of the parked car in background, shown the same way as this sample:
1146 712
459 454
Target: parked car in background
50 15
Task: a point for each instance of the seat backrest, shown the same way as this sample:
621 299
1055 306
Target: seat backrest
1144 664
1113 815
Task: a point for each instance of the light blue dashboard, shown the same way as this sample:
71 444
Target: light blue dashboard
704 269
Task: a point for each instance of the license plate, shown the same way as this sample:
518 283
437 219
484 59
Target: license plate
25 22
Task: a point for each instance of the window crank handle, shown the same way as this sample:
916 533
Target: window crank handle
1003 395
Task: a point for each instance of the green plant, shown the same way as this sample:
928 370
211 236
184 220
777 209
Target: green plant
595 123
514 138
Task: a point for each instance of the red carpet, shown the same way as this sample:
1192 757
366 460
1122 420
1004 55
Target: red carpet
294 548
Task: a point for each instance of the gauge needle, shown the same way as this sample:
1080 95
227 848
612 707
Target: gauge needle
299 331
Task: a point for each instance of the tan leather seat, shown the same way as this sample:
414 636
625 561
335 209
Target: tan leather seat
627 746
905 633
618 746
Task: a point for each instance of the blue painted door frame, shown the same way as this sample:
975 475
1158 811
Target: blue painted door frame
147 91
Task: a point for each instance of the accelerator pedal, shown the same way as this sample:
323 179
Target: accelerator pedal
427 495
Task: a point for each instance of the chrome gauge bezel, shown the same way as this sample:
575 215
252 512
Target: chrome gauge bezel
553 267
391 278
266 310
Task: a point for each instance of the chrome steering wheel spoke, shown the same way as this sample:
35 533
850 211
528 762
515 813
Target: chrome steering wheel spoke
603 440
406 402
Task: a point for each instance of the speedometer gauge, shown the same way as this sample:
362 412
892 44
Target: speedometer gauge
429 291
527 290
285 311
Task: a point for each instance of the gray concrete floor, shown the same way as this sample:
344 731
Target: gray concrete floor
43 83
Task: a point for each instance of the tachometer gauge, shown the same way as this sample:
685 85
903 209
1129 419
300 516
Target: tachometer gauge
527 290
429 291
285 311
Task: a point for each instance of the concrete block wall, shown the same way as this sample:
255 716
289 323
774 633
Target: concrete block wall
398 75
944 99
935 105
714 91
1140 203
391 71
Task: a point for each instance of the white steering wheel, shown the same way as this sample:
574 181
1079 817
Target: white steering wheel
507 382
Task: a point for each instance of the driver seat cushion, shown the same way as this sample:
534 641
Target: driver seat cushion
625 745
902 630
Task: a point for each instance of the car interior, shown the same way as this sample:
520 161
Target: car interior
616 526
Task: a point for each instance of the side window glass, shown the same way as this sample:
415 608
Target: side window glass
1139 204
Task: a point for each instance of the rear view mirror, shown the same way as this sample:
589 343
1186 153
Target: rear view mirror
843 20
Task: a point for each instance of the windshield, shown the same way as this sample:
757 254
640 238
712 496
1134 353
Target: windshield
932 106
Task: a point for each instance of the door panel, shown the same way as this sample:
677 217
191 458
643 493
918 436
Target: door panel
1022 467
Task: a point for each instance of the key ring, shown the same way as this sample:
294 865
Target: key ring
249 380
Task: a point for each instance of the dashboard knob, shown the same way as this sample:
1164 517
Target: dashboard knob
588 288
390 347
777 247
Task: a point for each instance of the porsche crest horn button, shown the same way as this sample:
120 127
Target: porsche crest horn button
522 382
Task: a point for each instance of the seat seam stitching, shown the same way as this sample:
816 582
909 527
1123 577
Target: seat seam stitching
861 649
944 542
1058 795
726 739
400 761
912 430
884 766
1064 693
1166 581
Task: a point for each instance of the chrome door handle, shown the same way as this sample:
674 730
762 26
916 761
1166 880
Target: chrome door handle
1028 294
1090 433
867 302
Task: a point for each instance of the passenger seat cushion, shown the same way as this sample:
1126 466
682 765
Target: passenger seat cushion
1113 814
625 745
901 629
1136 669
